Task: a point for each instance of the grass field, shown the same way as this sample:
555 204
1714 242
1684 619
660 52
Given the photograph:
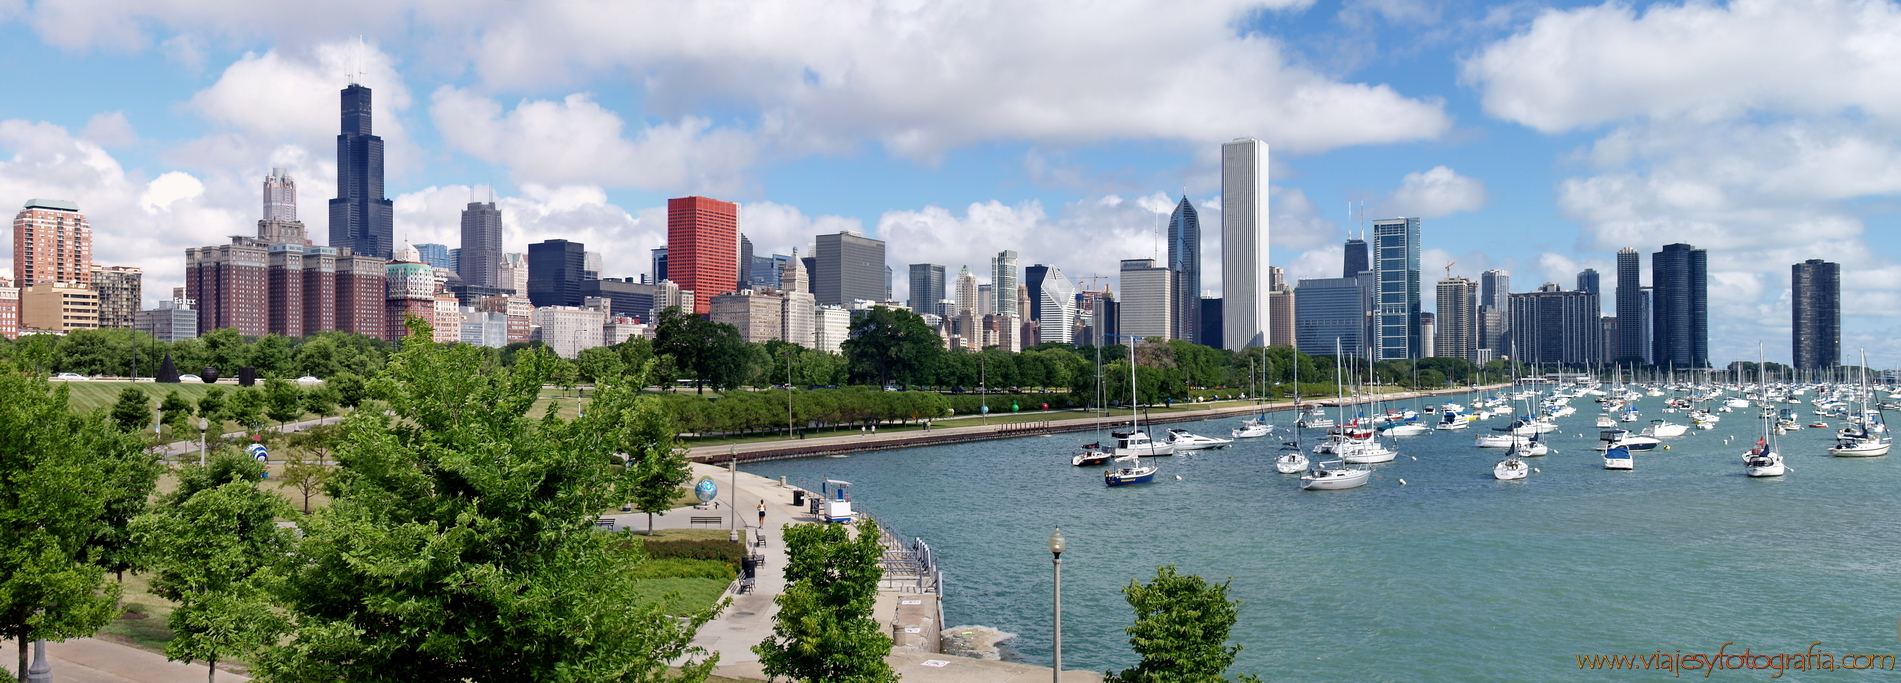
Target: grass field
143 622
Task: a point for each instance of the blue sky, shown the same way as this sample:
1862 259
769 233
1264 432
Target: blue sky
1534 138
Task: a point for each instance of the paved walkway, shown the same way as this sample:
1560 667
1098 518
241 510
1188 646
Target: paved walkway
86 660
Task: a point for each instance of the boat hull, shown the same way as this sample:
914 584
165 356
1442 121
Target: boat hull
1310 483
1860 450
1504 472
1128 478
1291 464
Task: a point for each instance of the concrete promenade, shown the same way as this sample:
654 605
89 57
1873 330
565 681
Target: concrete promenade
748 620
87 660
1057 422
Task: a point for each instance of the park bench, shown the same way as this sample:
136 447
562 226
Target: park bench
714 520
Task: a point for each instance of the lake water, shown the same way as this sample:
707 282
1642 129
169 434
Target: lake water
1454 576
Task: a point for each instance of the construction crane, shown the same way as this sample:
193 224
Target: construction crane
1449 266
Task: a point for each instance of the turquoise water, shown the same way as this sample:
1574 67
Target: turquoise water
1454 576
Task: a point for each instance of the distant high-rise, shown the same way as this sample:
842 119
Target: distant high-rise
1396 289
1630 337
1494 316
1054 301
1355 261
279 224
436 255
480 261
120 292
1555 326
1244 244
966 293
361 218
1455 325
1815 297
1003 282
1184 261
1211 317
1679 336
1033 280
1145 299
1330 311
52 242
555 272
1588 281
849 267
927 287
703 247
745 262
659 265
1280 310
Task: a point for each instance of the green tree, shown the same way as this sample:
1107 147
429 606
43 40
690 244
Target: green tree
304 469
175 412
890 344
213 542
599 365
824 630
133 411
352 391
271 355
52 508
1181 630
211 405
321 401
459 542
656 466
283 401
246 407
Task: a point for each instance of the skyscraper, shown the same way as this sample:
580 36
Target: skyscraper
927 287
436 255
1455 326
360 217
1555 326
1355 261
1330 311
703 247
1145 299
1588 281
1630 335
659 265
1184 261
1815 297
966 293
1033 279
745 262
1396 289
850 266
480 262
1494 318
1680 307
1244 238
1055 302
52 242
1003 281
279 224
120 291
555 269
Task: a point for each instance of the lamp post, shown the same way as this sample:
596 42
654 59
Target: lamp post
203 424
788 392
1056 557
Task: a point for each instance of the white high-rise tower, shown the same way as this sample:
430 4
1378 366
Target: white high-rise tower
1244 214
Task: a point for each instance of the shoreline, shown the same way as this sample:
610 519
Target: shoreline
785 449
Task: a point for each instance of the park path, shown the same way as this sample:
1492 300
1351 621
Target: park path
89 660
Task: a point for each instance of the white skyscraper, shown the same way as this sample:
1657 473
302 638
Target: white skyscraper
1244 238
1003 282
1058 306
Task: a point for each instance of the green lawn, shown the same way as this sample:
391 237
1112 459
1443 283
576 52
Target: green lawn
679 596
143 622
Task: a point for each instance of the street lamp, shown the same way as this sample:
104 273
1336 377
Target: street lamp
203 424
1056 556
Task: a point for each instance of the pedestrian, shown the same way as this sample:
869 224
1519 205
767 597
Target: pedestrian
762 514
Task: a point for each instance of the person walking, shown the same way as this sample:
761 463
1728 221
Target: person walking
762 514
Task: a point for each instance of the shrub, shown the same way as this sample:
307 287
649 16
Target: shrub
714 550
682 568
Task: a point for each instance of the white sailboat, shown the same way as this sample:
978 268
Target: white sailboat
1257 426
1763 460
1863 440
1294 460
1328 476
1131 445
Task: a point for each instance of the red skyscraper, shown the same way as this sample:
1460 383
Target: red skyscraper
703 247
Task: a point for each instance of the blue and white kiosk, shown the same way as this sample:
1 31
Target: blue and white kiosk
835 500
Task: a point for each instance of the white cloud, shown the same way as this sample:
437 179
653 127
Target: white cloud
1696 61
1316 263
1434 193
918 78
109 130
576 140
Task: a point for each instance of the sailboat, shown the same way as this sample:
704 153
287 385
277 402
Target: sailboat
1295 460
1867 438
1763 460
1133 444
1257 426
1332 475
1511 467
1092 454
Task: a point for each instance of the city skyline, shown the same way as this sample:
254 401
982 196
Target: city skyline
1480 132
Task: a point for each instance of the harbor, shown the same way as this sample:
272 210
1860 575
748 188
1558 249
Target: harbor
1415 581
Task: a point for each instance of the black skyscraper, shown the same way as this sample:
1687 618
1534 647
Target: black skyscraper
1679 335
1033 280
745 262
927 288
1356 261
1630 307
555 272
1815 289
1184 264
360 217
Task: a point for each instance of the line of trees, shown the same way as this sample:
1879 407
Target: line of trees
458 543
